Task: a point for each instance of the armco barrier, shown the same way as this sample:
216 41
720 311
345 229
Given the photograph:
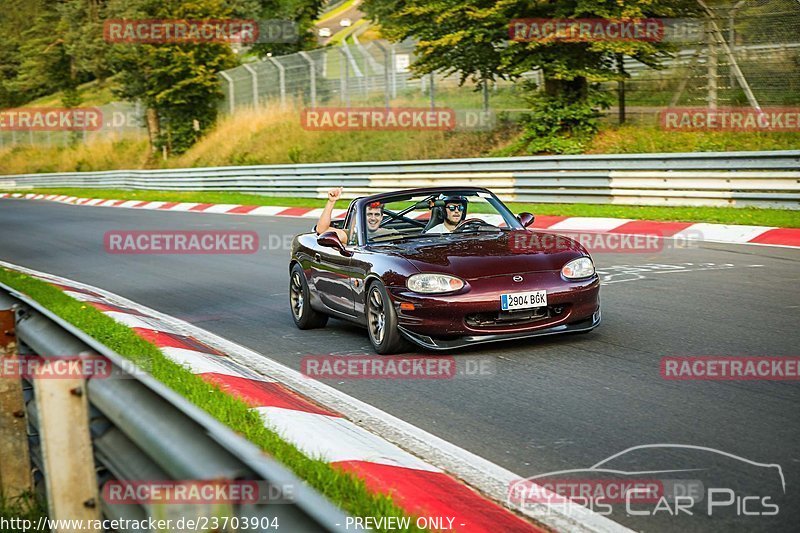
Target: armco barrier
740 179
138 429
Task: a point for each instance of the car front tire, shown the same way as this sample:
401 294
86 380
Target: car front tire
304 316
386 339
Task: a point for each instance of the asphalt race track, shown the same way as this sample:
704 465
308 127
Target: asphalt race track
547 405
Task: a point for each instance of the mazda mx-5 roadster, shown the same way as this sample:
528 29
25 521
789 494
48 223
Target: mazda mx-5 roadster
444 268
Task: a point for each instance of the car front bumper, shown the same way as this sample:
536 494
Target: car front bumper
473 316
469 340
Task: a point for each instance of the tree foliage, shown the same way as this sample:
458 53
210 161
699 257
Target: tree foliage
56 45
471 38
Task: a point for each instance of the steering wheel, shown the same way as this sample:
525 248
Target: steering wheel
471 222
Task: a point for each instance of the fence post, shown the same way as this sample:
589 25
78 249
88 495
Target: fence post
393 69
15 466
732 37
621 88
485 95
711 60
344 89
231 97
254 75
312 72
386 63
433 91
281 79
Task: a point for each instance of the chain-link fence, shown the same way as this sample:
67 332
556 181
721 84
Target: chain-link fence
374 73
115 121
745 53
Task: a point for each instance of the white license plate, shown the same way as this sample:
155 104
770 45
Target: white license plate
523 300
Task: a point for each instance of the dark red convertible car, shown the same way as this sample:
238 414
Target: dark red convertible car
444 268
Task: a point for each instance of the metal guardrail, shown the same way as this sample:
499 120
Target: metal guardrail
142 430
761 179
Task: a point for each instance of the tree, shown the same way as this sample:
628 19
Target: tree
176 82
471 38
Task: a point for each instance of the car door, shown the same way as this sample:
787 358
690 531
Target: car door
331 273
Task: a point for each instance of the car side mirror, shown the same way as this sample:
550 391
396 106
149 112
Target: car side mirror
330 239
526 219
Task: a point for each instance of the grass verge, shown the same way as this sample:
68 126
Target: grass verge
782 218
335 12
343 489
25 511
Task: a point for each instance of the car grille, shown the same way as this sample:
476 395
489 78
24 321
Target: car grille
512 318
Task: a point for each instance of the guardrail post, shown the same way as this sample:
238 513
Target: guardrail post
15 463
67 459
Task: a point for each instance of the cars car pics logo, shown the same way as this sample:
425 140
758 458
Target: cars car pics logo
731 368
650 492
378 118
51 119
778 119
181 242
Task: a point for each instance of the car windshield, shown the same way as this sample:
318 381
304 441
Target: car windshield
436 216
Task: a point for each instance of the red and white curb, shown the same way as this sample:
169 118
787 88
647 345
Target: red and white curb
318 420
686 231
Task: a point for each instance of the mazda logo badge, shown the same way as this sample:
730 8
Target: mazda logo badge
517 278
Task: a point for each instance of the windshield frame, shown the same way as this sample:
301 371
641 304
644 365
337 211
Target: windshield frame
508 216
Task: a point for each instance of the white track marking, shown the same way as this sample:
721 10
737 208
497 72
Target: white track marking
589 224
335 439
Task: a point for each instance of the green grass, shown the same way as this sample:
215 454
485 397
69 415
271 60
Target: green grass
25 507
335 12
638 138
92 93
343 489
783 218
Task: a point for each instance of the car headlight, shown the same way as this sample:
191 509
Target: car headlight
581 267
433 283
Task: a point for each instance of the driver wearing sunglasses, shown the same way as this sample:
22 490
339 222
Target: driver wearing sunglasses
455 208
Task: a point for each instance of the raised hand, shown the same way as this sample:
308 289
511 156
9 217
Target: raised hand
334 194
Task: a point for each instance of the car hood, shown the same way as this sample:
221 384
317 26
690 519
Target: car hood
478 255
